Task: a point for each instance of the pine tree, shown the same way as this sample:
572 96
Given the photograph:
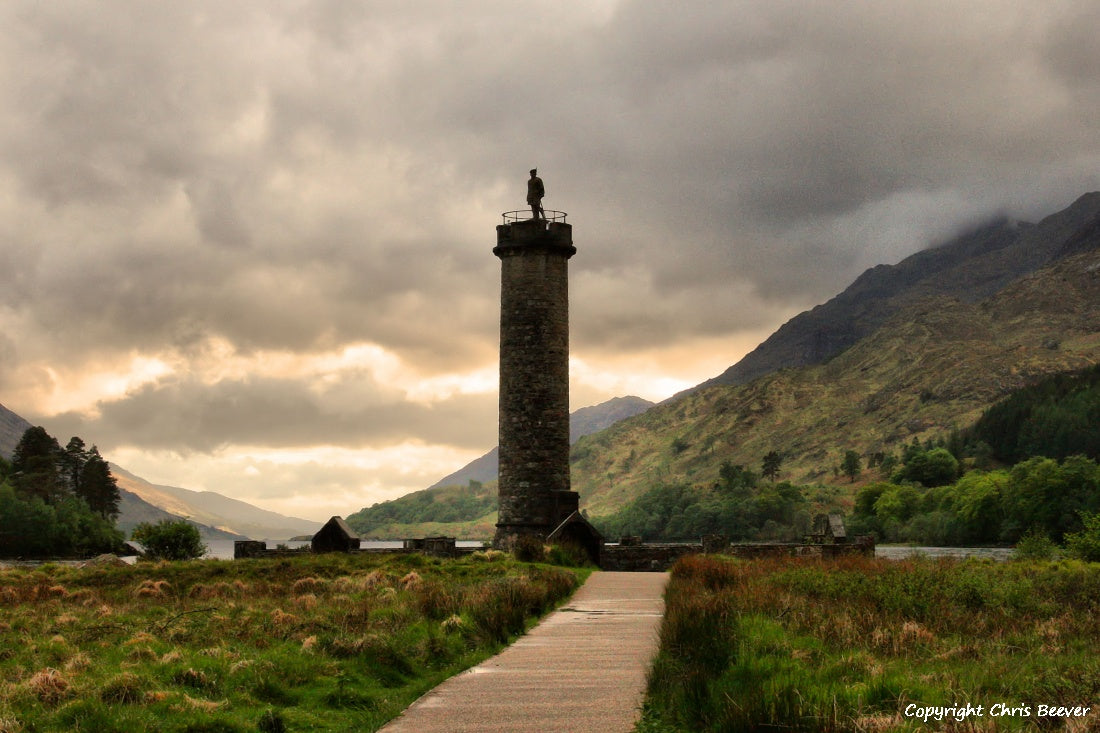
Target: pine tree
72 462
57 502
34 465
98 487
852 465
770 469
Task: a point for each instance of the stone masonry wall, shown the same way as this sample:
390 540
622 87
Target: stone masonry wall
644 558
534 375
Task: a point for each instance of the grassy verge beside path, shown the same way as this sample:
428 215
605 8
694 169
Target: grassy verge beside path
869 645
331 642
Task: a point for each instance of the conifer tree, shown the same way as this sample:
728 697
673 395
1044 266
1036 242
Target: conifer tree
72 463
852 465
98 487
56 503
770 469
34 465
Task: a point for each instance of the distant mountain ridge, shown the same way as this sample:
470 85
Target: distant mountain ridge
216 516
223 513
583 421
971 267
133 510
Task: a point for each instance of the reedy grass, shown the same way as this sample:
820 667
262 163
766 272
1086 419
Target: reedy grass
328 642
847 645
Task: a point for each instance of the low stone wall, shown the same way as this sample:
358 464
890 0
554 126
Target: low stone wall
644 558
631 556
250 549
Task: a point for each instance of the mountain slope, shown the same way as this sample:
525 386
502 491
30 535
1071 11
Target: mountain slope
937 363
971 267
585 421
210 508
12 428
133 510
466 512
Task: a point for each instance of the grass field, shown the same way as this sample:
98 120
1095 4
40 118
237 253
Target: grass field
876 645
330 642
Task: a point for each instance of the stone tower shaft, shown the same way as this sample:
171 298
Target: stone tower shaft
533 481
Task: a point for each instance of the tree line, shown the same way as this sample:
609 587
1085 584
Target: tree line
1028 466
1038 495
1057 417
57 502
738 506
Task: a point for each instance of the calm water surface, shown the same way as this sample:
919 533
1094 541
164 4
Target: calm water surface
899 552
223 549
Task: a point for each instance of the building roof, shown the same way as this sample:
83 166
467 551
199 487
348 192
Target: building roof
338 524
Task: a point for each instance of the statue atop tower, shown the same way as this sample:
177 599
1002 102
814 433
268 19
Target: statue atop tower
535 193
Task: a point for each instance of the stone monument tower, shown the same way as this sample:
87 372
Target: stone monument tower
535 498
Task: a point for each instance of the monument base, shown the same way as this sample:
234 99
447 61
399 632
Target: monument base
568 526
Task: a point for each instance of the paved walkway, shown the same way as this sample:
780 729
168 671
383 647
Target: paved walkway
581 670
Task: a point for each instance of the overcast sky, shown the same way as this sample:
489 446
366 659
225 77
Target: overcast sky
246 246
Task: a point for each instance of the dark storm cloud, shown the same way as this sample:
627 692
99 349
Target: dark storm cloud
302 176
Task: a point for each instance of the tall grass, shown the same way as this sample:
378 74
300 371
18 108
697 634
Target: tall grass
307 643
846 646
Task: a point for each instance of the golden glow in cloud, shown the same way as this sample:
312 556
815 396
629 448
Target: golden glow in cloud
80 389
312 483
656 374
63 388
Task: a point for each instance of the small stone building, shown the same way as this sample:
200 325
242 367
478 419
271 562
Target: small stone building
576 530
435 546
335 536
828 530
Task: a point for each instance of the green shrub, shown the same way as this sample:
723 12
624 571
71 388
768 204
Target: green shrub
1035 545
1086 543
529 549
935 467
170 540
272 722
568 554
